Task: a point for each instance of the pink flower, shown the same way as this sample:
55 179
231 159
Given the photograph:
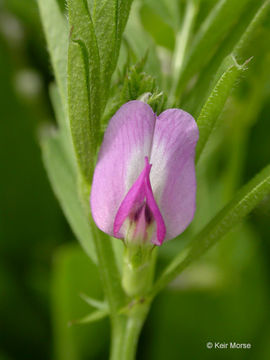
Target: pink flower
144 185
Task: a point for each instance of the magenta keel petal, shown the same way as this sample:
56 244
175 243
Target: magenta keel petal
132 202
140 210
158 238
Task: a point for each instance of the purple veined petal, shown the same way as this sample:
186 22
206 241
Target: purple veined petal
126 142
173 171
138 200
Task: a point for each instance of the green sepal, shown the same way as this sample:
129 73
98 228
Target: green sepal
137 271
136 84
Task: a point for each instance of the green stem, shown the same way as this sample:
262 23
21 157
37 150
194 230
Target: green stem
134 325
137 281
182 40
126 332
117 337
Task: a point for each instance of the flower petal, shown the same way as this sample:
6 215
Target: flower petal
173 171
126 142
134 199
160 232
139 197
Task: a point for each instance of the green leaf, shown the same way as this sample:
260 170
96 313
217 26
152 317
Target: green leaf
109 19
83 86
123 13
63 181
58 108
215 104
62 121
215 28
105 24
242 204
97 304
251 29
92 317
56 31
79 110
240 34
182 43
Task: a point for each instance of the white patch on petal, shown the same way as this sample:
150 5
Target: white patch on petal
158 174
136 164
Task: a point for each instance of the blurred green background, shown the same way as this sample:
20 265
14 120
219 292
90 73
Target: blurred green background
223 298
